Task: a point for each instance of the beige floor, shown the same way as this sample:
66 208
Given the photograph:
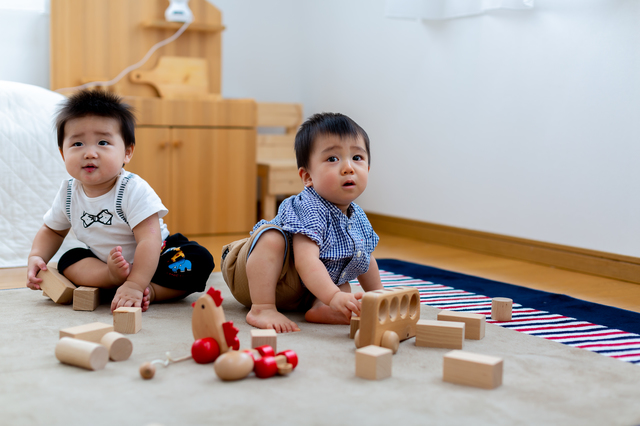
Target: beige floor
607 291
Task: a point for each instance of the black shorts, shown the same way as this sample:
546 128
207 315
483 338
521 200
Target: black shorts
183 265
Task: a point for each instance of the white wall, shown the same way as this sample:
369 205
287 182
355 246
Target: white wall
518 123
24 42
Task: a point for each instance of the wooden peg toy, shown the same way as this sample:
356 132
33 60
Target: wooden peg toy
474 323
501 308
127 320
85 298
92 332
387 317
373 362
268 364
471 369
440 334
355 325
81 353
264 337
56 286
118 346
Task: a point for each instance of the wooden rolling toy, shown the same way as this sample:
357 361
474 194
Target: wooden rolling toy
501 308
56 286
471 369
387 317
81 353
474 323
127 320
85 298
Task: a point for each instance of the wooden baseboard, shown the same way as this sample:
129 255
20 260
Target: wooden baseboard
593 262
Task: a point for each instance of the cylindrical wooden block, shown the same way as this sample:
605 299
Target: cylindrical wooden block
501 309
119 347
89 355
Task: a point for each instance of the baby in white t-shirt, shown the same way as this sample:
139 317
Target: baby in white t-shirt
114 212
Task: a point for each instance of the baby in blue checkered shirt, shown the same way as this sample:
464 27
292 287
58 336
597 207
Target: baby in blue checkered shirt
305 257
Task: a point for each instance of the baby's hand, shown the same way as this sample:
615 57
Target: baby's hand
127 295
34 265
346 303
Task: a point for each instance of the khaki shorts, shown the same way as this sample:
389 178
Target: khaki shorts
291 294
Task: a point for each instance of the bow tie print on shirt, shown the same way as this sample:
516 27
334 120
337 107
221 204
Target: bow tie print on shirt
104 217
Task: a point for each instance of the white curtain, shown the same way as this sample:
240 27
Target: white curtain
448 9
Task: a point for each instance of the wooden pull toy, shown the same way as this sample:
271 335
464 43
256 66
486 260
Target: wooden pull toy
387 317
235 365
214 336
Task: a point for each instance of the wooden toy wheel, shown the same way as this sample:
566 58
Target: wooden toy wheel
390 340
356 339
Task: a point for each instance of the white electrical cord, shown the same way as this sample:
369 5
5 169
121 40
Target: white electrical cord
131 67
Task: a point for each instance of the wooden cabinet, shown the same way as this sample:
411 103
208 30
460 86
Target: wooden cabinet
202 176
203 167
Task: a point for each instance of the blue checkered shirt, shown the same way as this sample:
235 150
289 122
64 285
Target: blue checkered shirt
345 241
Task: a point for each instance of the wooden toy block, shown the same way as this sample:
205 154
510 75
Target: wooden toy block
85 299
127 320
81 353
474 323
373 362
92 332
440 334
501 309
56 285
387 317
264 337
355 325
471 369
118 346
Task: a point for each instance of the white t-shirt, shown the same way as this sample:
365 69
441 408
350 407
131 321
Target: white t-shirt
107 221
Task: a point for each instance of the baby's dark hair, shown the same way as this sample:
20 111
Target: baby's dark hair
99 103
326 123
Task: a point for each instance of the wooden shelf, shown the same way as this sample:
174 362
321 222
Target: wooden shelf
195 26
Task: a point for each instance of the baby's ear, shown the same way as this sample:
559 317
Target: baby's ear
128 153
306 177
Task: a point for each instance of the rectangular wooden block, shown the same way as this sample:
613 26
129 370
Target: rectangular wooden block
470 369
373 362
355 325
92 332
56 285
474 323
127 320
440 334
264 337
85 299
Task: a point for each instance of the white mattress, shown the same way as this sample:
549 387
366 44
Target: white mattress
31 168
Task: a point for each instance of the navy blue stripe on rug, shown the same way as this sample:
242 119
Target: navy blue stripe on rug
598 328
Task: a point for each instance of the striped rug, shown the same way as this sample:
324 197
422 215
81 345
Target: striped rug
601 339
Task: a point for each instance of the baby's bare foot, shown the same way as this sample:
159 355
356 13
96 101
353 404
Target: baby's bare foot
323 314
119 268
267 316
147 298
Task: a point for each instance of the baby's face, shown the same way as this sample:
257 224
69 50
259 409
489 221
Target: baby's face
338 169
94 152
